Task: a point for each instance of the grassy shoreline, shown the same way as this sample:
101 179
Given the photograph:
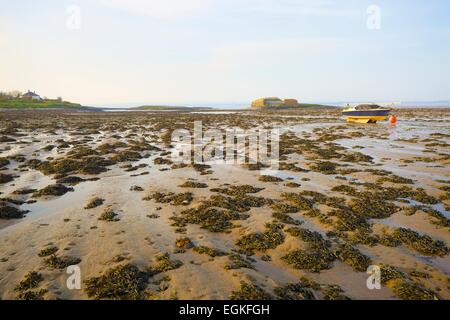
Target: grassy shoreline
39 104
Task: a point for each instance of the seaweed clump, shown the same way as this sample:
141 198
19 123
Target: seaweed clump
348 220
90 165
281 207
3 162
8 212
285 218
31 281
236 191
125 156
373 206
208 217
5 178
408 290
124 282
32 295
249 291
312 261
93 203
236 261
389 273
334 292
70 180
184 243
313 238
421 196
269 179
317 257
193 185
299 201
109 215
164 263
437 217
325 167
353 257
239 203
421 243
294 291
47 252
262 241
52 190
55 262
212 252
172 198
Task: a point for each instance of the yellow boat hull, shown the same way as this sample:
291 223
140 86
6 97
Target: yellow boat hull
366 119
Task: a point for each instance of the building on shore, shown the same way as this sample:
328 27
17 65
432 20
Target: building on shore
290 103
274 102
31 95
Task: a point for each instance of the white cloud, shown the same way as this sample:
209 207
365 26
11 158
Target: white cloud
161 9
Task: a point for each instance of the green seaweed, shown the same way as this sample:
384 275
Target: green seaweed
285 218
294 291
353 257
373 206
249 291
8 211
298 200
282 207
48 251
184 243
52 190
389 273
236 191
313 261
32 295
172 198
164 263
212 252
124 282
269 179
236 261
408 290
92 165
109 215
334 292
93 203
63 262
262 241
5 178
423 244
31 281
193 185
325 167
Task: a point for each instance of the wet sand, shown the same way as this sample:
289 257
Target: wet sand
265 245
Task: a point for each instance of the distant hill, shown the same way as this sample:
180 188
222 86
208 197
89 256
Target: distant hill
38 104
170 108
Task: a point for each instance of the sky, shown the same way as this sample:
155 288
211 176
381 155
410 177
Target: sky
177 52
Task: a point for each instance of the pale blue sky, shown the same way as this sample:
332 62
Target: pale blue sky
197 51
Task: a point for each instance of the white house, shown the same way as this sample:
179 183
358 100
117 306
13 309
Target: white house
32 96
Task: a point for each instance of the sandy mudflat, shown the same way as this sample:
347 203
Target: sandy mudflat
347 196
